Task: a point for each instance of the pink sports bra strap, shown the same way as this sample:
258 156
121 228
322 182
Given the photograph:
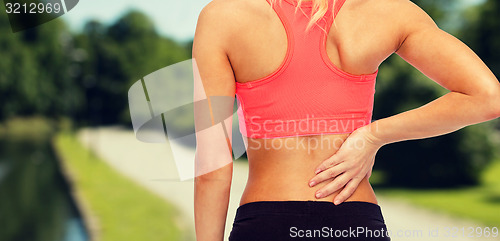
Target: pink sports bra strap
338 6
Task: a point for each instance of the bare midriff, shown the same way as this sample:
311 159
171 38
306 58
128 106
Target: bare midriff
281 168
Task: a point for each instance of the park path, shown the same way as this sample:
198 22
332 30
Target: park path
150 166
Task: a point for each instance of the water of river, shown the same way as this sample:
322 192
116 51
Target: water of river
35 204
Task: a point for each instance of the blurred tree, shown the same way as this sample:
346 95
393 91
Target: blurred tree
35 67
189 46
118 56
482 33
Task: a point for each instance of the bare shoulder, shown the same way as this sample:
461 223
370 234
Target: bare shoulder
227 18
399 17
400 10
228 11
217 12
219 8
403 13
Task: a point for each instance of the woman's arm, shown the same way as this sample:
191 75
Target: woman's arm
474 97
214 83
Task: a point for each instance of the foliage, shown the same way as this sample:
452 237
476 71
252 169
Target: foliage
482 33
35 68
116 57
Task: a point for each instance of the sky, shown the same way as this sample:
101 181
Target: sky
173 18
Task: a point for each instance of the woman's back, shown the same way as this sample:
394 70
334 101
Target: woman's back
365 33
280 168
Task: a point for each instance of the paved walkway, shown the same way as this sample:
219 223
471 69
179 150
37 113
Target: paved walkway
149 165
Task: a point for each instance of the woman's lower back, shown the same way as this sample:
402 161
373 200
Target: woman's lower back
280 169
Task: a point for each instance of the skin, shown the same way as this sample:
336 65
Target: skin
242 40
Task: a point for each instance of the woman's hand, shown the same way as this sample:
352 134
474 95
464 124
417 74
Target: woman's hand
349 165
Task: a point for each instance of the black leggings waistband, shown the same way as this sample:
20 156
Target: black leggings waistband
310 208
293 220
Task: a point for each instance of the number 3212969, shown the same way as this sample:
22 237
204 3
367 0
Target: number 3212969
32 8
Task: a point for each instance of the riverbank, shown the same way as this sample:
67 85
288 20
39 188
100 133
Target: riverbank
120 209
89 220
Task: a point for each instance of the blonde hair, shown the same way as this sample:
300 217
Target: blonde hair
319 9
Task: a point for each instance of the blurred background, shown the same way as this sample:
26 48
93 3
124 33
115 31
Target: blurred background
73 73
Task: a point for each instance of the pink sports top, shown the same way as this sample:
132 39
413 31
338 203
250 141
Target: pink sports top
307 94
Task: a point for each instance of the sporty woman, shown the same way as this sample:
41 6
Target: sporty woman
304 75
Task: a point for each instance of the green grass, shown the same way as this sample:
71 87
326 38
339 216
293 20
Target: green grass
124 210
481 203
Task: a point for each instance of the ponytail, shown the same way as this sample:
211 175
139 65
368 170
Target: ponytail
319 9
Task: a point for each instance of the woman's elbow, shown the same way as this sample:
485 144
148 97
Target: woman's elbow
492 102
496 111
222 175
213 185
208 179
